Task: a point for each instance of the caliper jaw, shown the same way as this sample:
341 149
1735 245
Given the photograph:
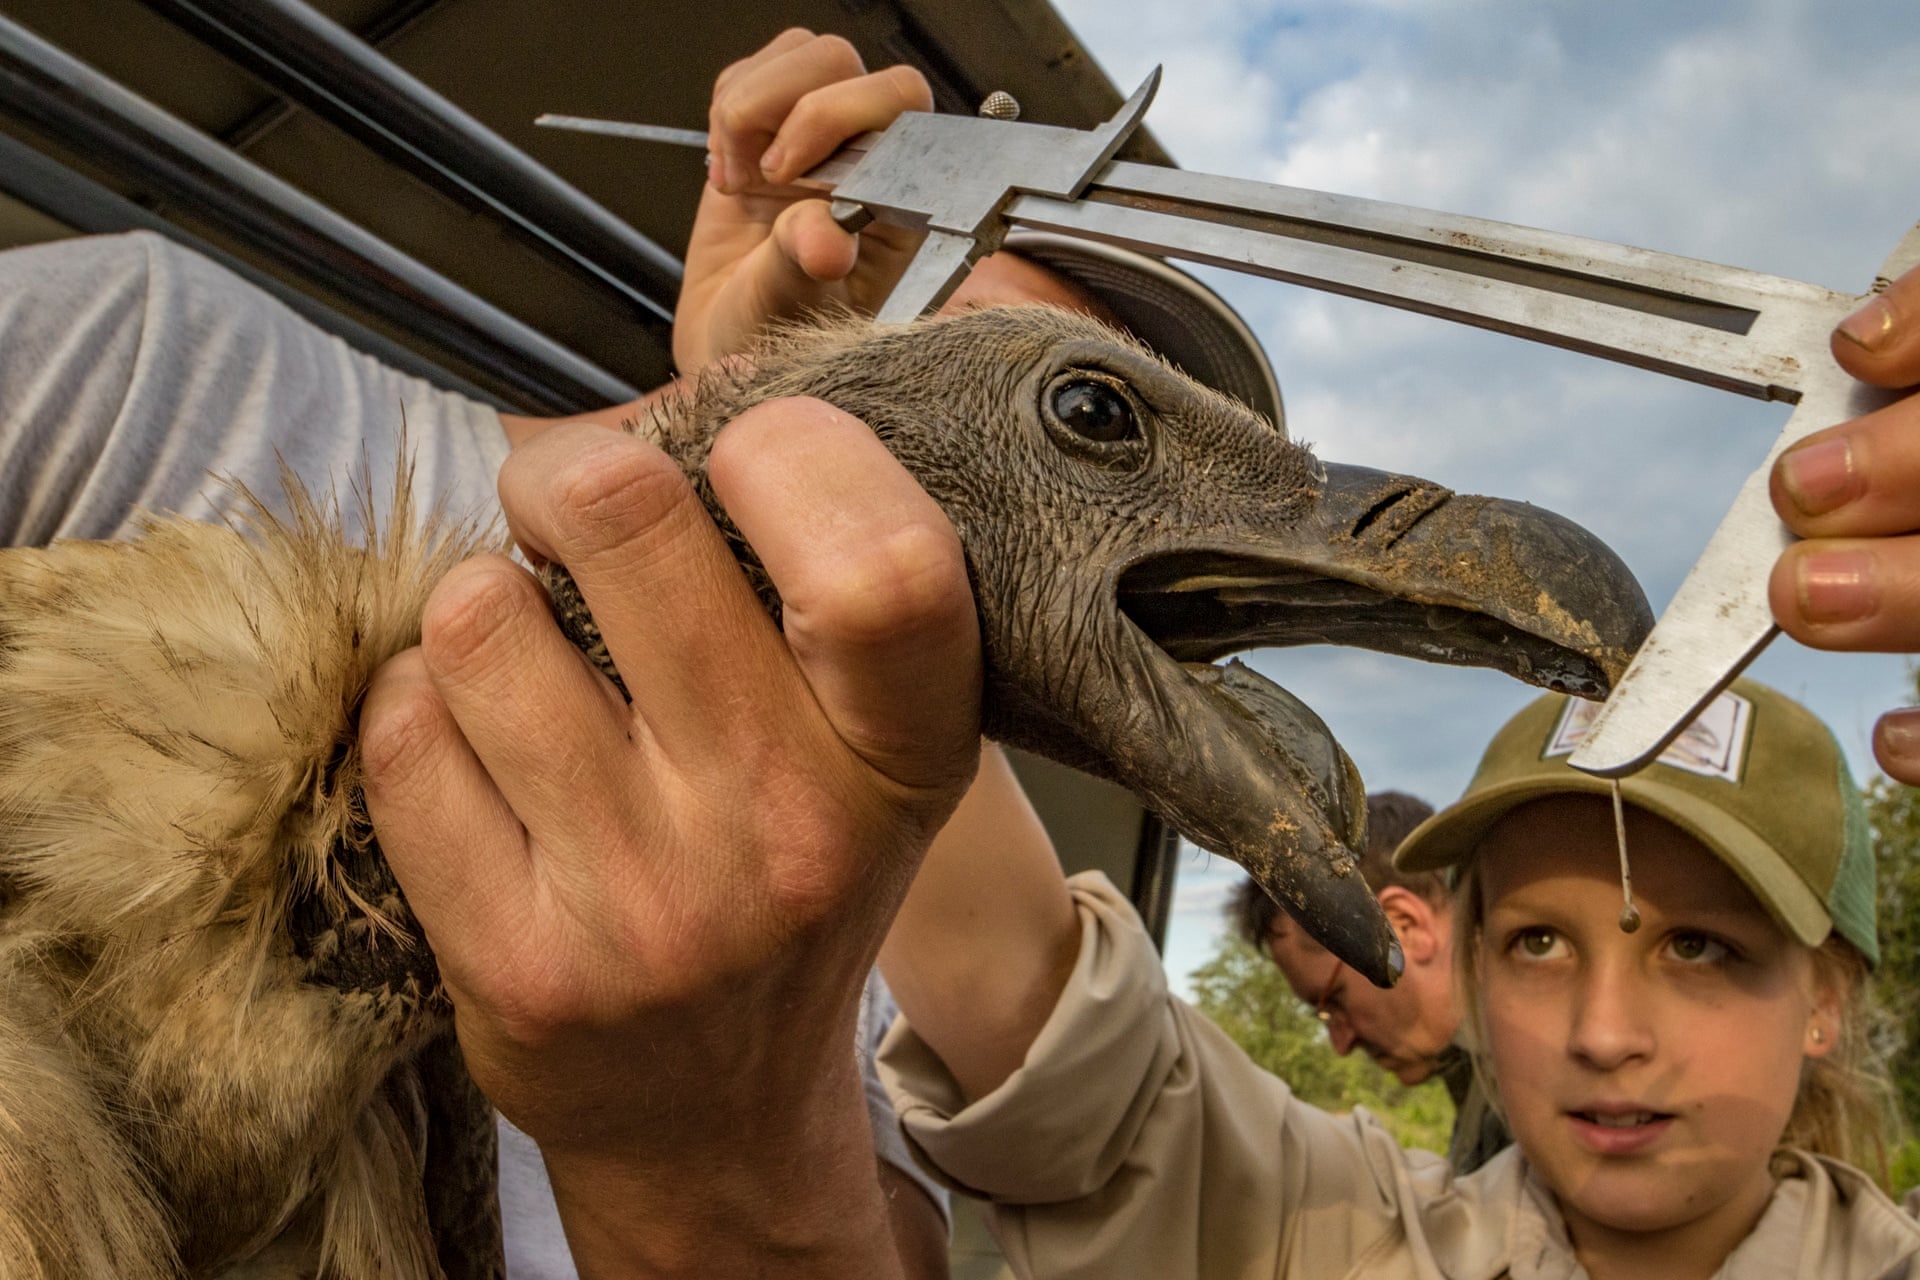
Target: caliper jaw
950 176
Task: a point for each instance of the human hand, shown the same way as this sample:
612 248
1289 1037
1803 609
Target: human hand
760 251
654 920
1853 492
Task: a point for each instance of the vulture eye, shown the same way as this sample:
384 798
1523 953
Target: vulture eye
1094 410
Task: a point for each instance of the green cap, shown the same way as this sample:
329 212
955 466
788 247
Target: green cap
1756 778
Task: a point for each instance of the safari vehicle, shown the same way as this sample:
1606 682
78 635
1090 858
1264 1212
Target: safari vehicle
375 164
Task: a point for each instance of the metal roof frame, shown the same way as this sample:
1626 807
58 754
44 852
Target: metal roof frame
311 256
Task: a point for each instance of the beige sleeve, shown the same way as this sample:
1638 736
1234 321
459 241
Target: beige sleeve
1138 1140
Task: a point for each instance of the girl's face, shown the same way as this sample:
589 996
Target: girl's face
1647 1076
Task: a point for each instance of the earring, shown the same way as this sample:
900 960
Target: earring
1819 1036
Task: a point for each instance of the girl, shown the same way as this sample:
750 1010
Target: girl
1685 1095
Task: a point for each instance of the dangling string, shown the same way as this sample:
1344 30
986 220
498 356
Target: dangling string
1629 914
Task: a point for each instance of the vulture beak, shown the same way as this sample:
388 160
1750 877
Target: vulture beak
1383 562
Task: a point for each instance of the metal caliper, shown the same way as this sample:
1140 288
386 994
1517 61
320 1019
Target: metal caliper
965 181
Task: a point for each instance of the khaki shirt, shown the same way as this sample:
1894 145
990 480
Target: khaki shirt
1138 1141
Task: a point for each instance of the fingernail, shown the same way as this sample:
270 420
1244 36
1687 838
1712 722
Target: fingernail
1836 586
1897 736
771 161
716 171
1870 326
1819 477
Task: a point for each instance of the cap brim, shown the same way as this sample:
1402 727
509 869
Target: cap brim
1172 312
1449 838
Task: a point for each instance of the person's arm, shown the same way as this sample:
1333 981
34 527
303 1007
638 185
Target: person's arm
655 920
133 372
919 1226
1136 1139
1853 492
987 936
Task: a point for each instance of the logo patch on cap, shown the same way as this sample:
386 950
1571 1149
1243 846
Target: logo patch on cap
1713 746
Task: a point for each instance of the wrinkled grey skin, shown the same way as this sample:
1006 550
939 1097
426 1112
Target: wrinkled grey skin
1102 568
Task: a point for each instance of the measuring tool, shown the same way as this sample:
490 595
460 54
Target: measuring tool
965 181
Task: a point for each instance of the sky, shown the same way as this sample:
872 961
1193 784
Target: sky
1777 135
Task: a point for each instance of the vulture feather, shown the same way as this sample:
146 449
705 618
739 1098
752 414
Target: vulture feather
224 1050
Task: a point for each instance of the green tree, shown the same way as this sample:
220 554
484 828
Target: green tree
1894 812
1245 995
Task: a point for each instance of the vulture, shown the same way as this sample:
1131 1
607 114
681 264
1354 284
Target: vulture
224 1049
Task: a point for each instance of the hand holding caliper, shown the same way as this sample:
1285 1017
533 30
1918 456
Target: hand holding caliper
759 252
1853 491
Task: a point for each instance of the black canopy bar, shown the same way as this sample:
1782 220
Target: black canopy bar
326 68
77 201
88 114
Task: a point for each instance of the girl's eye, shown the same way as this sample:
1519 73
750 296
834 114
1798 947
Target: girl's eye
1698 948
1538 943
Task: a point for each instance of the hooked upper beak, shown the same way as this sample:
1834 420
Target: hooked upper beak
1404 566
1383 562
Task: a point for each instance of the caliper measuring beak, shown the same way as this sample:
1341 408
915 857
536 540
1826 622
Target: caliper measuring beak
965 181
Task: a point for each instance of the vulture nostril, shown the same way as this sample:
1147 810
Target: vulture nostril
1379 509
1401 511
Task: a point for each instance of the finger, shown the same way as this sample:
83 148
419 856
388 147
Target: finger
815 247
803 261
1850 593
788 272
661 582
720 144
877 609
1859 479
456 848
822 121
538 719
1880 343
746 114
1896 745
794 270
791 38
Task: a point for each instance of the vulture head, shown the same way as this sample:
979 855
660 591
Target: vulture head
1125 527
222 1039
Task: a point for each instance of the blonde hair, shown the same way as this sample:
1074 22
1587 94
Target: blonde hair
1844 1108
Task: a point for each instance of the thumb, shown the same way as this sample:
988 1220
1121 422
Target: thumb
873 580
774 273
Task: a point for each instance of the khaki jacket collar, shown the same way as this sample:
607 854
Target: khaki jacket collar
1825 1219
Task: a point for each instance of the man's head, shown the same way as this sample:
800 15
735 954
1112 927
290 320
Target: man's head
1405 1028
